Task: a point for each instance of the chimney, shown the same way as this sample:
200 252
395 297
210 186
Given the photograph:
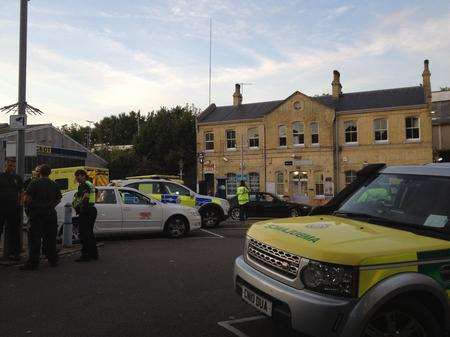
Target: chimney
336 85
426 76
237 97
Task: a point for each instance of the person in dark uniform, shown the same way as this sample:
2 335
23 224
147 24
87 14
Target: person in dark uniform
11 187
84 205
41 197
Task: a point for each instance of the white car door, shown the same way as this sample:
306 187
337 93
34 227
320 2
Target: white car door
109 211
139 212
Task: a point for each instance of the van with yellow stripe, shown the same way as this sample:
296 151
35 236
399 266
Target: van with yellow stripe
65 176
373 262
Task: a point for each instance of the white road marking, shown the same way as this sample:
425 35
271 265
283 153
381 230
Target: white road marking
212 233
233 228
229 324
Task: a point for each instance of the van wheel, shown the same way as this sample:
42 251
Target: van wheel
176 227
404 317
210 217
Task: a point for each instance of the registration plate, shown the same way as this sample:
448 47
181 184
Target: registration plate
257 301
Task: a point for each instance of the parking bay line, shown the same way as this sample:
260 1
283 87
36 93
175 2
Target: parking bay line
229 324
212 233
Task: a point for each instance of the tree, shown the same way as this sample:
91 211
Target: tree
166 138
118 130
121 164
445 88
77 132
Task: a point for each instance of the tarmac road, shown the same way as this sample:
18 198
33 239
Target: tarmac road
151 286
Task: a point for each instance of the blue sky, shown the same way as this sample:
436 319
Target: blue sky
90 59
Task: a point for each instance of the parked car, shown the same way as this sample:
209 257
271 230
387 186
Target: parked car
212 210
375 261
268 205
125 210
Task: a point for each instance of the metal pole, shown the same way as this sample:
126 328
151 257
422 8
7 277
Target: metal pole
210 48
20 150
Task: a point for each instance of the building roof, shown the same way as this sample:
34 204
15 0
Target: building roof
4 127
441 107
354 101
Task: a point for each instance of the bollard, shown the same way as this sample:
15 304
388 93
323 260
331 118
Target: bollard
67 226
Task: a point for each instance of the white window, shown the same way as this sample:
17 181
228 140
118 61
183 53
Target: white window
253 181
380 128
351 132
298 133
319 184
412 128
314 126
231 184
231 139
282 135
350 176
209 141
253 138
279 176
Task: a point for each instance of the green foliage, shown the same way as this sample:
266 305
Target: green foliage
118 130
120 163
166 138
77 132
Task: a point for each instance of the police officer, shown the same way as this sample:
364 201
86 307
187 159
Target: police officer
243 195
41 197
84 204
11 187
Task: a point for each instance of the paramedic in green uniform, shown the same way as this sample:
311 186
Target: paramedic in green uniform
84 205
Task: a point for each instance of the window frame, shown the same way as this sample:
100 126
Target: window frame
231 140
412 128
297 133
209 141
278 183
375 130
251 182
319 185
281 137
313 134
349 174
228 183
165 187
253 138
351 133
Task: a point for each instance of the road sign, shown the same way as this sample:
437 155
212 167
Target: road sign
18 122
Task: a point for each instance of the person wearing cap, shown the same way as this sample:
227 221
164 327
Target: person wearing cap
11 188
41 197
84 205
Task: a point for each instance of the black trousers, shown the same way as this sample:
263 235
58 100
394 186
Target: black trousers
86 221
9 219
243 212
43 230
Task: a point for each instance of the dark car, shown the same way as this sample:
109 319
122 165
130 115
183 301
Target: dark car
268 205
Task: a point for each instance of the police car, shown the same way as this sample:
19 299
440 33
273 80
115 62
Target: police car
213 210
125 210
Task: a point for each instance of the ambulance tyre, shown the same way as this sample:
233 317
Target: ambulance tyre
403 317
210 216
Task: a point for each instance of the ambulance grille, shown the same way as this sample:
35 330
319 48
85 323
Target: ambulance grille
274 259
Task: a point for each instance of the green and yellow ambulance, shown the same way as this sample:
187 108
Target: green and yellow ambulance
213 210
373 262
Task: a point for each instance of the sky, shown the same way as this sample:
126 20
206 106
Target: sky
88 59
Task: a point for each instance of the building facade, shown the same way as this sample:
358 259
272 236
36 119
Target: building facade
308 147
441 125
45 144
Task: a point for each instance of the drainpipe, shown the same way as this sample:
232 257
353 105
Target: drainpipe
265 159
336 155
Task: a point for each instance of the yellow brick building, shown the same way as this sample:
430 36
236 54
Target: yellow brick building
307 147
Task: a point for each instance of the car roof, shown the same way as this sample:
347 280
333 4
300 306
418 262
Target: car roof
434 169
126 181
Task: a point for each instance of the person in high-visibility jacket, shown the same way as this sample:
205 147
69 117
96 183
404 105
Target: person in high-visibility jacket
84 205
243 196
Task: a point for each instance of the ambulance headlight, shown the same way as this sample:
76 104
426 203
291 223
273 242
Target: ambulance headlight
330 279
